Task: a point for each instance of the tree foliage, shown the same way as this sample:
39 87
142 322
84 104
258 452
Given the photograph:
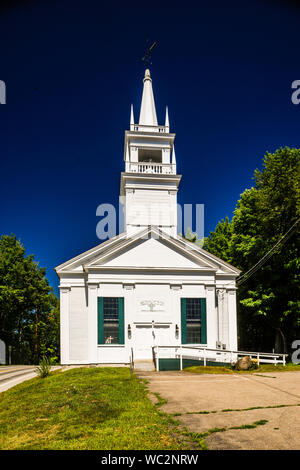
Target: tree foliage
269 300
218 242
193 237
29 310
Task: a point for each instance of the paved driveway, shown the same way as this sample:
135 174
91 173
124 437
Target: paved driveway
14 375
202 399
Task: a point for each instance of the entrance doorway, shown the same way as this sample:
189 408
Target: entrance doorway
147 336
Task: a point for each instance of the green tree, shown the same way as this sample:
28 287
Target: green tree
269 300
218 242
28 319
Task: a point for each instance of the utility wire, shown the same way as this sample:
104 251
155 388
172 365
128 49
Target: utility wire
268 255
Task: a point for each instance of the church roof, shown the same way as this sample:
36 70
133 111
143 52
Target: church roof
123 252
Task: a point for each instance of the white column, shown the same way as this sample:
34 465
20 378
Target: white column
220 294
64 325
176 314
211 317
225 320
129 289
233 343
223 317
92 323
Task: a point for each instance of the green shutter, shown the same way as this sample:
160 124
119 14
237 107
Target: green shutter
203 322
121 320
183 321
100 321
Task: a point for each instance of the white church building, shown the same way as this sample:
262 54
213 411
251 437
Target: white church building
147 286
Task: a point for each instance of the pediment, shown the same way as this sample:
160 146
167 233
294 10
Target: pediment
149 249
151 253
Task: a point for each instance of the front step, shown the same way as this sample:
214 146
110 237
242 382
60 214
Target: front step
144 365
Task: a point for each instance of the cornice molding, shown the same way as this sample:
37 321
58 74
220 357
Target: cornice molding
64 289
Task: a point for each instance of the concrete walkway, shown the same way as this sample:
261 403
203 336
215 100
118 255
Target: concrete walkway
189 394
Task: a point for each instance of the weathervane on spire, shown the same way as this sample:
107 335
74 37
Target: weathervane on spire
147 56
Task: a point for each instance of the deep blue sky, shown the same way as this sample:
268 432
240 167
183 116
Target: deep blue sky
72 69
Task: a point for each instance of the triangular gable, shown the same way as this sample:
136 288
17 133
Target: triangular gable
150 253
149 248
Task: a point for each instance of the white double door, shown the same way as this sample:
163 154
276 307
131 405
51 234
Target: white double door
147 336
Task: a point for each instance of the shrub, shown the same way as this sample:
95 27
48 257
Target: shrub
254 364
44 367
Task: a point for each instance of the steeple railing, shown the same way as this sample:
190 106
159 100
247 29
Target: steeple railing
147 128
151 168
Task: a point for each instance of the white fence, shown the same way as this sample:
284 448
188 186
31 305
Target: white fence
213 355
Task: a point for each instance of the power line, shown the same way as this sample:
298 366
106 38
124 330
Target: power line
268 255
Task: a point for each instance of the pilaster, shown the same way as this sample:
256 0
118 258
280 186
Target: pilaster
211 317
232 319
65 325
92 323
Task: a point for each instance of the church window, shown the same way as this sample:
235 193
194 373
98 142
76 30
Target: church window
193 321
110 320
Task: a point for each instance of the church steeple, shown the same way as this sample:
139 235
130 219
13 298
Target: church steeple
148 112
150 181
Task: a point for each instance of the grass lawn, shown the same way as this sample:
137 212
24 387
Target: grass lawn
228 370
85 408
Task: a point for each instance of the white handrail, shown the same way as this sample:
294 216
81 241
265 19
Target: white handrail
274 358
223 350
180 358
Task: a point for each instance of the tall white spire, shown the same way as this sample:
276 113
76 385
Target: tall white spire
167 125
131 118
148 112
173 156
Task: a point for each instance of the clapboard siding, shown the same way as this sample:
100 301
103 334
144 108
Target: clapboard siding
151 208
78 325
